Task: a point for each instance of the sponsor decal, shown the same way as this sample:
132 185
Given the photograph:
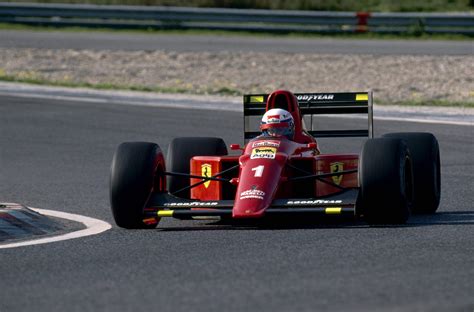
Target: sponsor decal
313 202
362 97
315 97
266 144
257 99
206 171
252 193
336 167
263 152
191 204
273 118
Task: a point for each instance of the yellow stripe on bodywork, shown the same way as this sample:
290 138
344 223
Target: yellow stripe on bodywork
362 97
165 213
333 210
256 99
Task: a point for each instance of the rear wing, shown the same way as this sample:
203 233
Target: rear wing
317 104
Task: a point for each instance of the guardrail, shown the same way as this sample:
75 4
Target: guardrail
234 19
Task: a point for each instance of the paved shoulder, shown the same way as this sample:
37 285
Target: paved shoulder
188 43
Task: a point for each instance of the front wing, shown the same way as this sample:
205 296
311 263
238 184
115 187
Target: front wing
166 205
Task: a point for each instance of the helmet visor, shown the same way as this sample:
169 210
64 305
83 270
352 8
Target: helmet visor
281 129
278 131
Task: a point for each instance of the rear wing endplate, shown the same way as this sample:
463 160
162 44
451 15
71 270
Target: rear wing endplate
317 104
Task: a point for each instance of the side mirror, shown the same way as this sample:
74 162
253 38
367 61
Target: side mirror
235 147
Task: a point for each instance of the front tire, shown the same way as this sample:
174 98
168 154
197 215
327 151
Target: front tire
132 179
386 181
424 150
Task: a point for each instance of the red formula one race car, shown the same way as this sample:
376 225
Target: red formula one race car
280 171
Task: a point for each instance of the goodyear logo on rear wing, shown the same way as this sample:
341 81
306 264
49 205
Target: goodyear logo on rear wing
263 152
315 97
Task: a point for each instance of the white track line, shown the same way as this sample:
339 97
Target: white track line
93 227
407 119
430 121
434 115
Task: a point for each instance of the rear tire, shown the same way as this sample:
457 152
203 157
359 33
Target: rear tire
424 151
386 181
132 179
180 152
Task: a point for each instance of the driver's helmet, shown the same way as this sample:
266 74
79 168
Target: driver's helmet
278 122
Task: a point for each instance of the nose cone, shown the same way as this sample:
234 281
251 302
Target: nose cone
250 203
259 181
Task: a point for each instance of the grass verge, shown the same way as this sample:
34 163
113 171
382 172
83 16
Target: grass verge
110 86
221 91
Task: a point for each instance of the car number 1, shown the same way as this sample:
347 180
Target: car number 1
258 171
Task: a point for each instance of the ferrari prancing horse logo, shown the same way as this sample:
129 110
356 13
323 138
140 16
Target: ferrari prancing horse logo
337 167
206 171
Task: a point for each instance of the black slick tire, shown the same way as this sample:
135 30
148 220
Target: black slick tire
180 152
132 179
424 151
386 181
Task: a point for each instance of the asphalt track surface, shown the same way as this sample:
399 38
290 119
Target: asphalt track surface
57 154
213 43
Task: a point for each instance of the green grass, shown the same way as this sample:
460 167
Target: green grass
320 5
402 36
32 79
99 86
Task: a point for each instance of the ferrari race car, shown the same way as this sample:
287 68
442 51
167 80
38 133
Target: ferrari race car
391 177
